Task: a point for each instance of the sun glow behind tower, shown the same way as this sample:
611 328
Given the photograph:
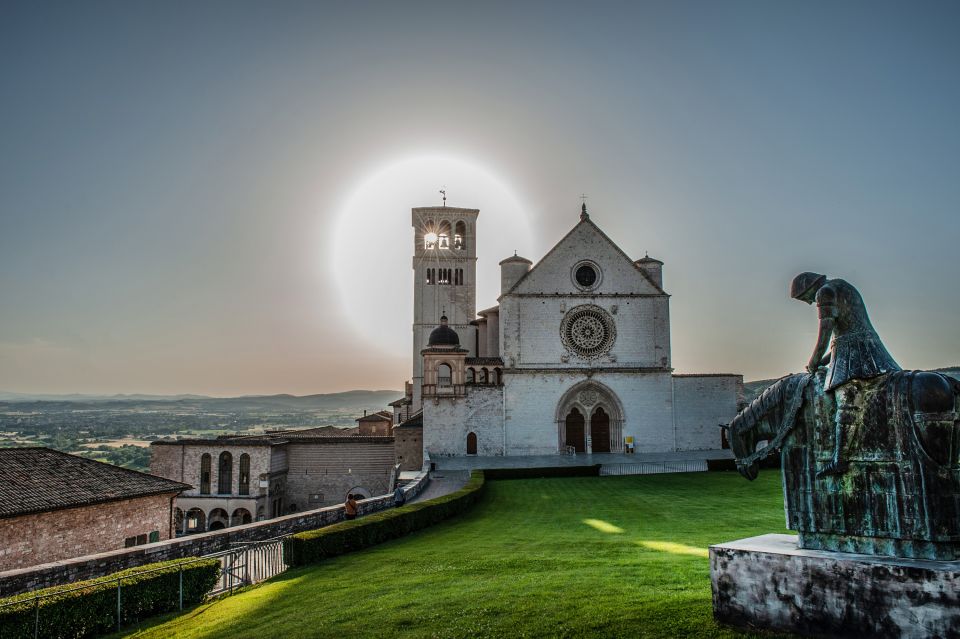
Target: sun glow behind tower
372 245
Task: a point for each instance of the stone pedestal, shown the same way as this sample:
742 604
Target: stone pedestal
766 582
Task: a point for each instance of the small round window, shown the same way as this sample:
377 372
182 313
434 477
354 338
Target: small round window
586 275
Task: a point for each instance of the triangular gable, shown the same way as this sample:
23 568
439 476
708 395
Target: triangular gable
585 241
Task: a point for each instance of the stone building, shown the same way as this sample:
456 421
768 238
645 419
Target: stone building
56 506
575 357
377 424
238 479
408 442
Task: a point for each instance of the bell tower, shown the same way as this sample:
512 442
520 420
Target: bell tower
444 279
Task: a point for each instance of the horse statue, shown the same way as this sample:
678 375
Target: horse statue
899 491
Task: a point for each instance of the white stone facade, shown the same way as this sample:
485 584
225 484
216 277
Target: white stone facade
580 346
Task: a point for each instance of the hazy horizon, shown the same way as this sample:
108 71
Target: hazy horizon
213 198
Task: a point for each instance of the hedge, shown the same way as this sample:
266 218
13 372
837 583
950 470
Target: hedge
547 471
91 610
344 537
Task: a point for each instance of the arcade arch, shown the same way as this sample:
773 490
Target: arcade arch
590 419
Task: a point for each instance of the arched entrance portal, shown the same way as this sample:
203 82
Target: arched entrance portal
600 430
590 419
574 431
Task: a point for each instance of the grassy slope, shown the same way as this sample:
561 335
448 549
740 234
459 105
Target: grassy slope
610 556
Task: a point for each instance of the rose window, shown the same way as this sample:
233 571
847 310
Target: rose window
588 331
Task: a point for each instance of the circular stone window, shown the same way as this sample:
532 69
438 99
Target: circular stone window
586 275
588 331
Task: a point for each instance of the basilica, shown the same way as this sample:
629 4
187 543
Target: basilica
574 358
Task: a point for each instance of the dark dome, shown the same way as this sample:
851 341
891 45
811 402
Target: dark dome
443 335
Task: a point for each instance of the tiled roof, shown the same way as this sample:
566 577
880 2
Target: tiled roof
378 416
223 440
41 479
415 421
321 431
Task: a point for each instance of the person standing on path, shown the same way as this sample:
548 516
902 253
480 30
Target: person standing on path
350 507
399 499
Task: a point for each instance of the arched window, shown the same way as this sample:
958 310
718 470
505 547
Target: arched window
225 474
429 235
244 475
471 443
484 376
471 375
459 236
499 376
196 521
218 519
205 474
443 375
443 235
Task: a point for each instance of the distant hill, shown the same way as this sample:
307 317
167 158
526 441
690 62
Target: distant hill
348 400
752 390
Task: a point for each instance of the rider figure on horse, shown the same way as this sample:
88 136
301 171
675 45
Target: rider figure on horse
856 352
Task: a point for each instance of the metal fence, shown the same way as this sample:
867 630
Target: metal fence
655 468
248 563
245 563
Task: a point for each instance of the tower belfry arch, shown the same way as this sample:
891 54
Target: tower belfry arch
590 419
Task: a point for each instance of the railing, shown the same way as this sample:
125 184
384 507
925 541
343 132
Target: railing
247 564
655 468
433 390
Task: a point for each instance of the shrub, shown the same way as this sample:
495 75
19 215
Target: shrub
89 608
537 473
343 537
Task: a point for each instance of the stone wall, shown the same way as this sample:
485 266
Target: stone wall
448 421
408 444
323 473
701 403
91 566
530 331
181 462
530 316
50 536
532 400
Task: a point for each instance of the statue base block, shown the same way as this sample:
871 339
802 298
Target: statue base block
768 583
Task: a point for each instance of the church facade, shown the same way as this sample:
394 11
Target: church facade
574 358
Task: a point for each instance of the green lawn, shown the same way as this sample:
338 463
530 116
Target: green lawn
577 557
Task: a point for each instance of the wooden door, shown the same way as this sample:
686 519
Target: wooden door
575 434
600 431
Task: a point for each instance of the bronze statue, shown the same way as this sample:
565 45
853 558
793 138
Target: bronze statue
870 453
856 352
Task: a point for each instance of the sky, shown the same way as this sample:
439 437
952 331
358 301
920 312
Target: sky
175 176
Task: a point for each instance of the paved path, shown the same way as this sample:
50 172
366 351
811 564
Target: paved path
447 465
443 483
